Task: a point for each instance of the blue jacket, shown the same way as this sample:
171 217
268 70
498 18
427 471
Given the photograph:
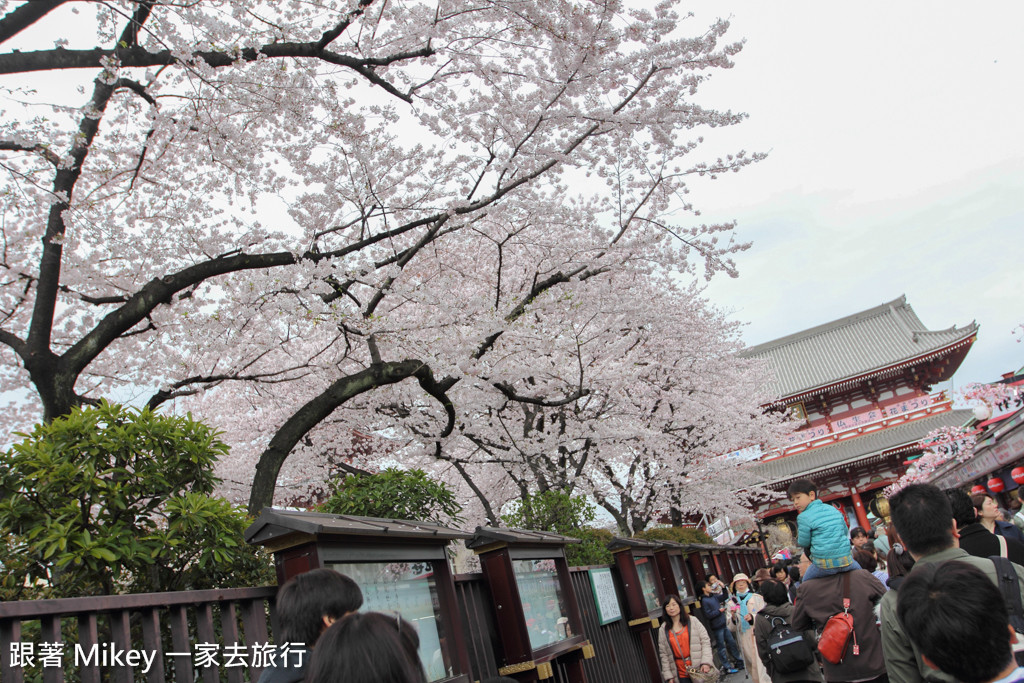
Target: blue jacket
710 604
822 533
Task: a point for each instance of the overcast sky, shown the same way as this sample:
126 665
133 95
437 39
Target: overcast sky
896 166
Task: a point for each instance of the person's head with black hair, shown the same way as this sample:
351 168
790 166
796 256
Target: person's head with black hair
858 536
988 509
957 619
865 559
802 486
367 647
923 518
802 492
700 586
962 507
779 571
794 574
674 611
774 592
310 602
899 561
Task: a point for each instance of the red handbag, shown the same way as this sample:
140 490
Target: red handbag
838 632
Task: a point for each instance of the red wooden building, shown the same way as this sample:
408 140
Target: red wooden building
862 388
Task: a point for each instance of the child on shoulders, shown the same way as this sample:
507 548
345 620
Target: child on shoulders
821 532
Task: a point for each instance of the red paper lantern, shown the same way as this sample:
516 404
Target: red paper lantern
995 485
1018 474
977 488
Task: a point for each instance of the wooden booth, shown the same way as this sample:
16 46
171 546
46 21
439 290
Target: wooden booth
675 575
401 567
538 618
634 558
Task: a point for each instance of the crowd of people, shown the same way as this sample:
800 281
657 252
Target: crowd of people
942 603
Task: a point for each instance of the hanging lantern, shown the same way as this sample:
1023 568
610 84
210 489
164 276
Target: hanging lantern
995 485
976 489
1018 474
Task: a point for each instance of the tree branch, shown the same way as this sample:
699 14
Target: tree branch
46 152
329 36
510 393
174 391
135 87
14 342
481 496
135 56
320 407
20 18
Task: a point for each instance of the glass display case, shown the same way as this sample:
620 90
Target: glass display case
410 590
681 576
648 581
675 575
641 578
643 591
537 616
400 566
544 606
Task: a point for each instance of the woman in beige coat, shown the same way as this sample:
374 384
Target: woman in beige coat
742 607
682 643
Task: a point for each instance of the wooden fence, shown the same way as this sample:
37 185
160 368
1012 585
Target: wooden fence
212 632
223 635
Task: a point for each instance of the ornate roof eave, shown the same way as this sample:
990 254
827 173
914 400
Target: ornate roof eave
970 333
858 451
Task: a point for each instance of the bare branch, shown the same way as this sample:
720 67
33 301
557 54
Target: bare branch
46 152
135 87
330 36
134 56
20 18
510 393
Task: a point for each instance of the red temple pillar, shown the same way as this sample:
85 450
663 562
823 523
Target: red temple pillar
858 508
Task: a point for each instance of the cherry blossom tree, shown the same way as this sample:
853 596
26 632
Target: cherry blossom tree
941 445
323 224
663 398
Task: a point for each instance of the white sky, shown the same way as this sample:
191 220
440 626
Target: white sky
896 166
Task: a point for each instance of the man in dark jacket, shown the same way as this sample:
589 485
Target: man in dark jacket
819 599
959 623
923 518
713 608
974 537
306 605
779 609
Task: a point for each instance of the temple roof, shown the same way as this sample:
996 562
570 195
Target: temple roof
805 464
857 345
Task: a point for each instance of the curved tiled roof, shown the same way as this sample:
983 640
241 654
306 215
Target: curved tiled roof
856 345
855 448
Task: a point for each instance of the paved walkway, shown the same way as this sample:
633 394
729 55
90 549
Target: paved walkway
736 677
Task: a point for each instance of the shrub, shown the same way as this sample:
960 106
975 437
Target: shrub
109 499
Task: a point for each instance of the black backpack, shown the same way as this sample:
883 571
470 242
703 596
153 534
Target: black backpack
1010 588
1008 584
788 651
